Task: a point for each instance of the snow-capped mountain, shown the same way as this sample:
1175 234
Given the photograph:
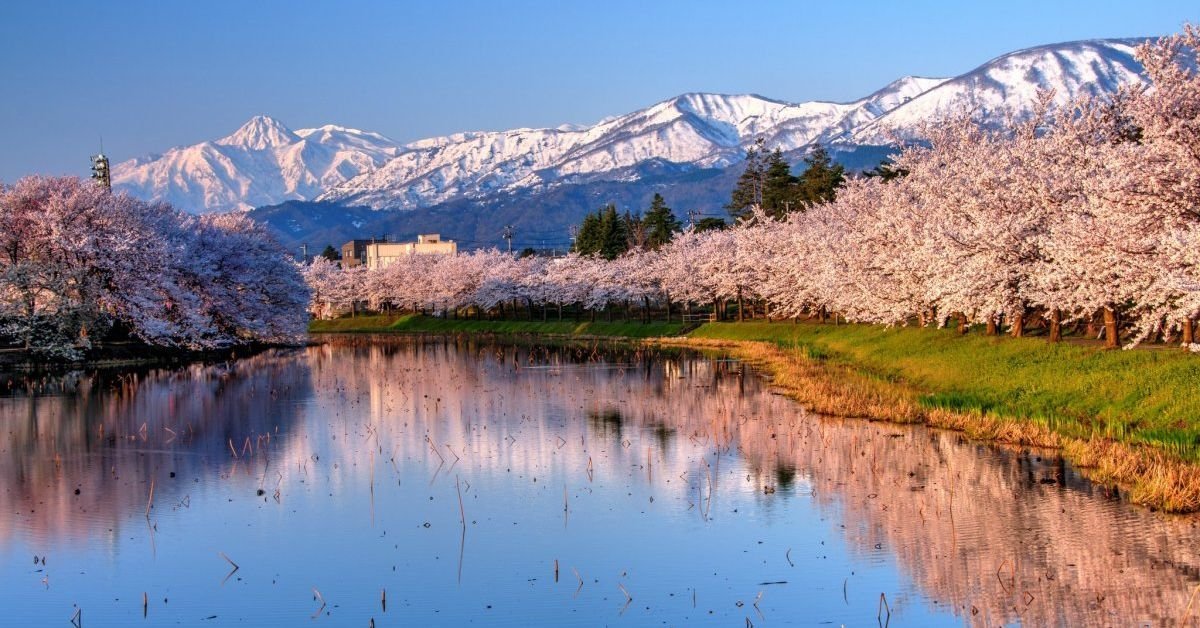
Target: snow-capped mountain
261 163
700 130
265 163
1009 84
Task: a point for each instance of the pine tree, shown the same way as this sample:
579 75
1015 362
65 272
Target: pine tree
779 187
331 253
710 224
886 171
821 178
614 235
589 240
749 190
660 222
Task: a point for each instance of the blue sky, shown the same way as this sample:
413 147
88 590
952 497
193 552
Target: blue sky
148 75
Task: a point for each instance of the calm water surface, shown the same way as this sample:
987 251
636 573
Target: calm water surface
598 487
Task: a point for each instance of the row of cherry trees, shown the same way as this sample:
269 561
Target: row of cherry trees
78 264
1085 211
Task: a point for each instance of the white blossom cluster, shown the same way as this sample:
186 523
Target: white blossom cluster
1091 208
78 262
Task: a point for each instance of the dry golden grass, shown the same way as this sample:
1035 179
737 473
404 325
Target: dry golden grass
1151 477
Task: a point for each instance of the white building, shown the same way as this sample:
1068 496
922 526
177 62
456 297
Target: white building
384 254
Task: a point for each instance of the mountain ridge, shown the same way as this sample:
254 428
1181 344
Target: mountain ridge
265 163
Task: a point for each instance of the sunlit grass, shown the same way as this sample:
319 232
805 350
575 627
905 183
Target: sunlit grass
1144 396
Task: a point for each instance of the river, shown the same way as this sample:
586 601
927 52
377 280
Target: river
436 481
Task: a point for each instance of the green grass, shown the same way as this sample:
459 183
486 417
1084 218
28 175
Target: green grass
1149 396
410 323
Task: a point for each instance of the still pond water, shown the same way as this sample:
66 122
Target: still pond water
445 482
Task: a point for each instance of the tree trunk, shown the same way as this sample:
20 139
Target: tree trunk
991 325
741 307
1055 325
1189 331
963 326
767 310
1111 339
1018 324
668 299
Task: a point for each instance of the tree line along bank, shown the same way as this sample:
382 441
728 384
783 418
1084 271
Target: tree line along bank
1083 215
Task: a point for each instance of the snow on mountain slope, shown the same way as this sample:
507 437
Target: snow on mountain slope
265 163
701 130
1009 84
261 163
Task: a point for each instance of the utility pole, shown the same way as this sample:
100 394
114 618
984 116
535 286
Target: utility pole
508 235
574 231
304 252
691 219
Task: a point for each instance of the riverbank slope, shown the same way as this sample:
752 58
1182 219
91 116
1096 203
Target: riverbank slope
1129 417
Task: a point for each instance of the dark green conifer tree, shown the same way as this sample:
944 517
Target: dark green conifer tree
589 239
661 223
886 172
614 234
821 178
749 189
779 196
710 224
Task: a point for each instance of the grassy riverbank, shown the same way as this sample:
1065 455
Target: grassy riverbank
1130 417
1127 417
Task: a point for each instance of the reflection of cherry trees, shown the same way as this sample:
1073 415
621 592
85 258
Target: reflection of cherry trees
1020 537
1088 210
107 433
76 260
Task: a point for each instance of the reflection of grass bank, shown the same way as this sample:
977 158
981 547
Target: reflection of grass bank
426 324
1130 417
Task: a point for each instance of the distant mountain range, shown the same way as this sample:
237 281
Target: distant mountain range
328 184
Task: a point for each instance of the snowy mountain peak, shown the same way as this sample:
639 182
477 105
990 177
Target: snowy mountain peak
259 133
1009 84
261 163
264 162
899 92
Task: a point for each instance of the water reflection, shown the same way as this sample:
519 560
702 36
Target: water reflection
452 474
80 450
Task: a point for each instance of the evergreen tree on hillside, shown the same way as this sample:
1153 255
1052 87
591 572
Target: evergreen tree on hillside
331 253
660 222
749 190
821 178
